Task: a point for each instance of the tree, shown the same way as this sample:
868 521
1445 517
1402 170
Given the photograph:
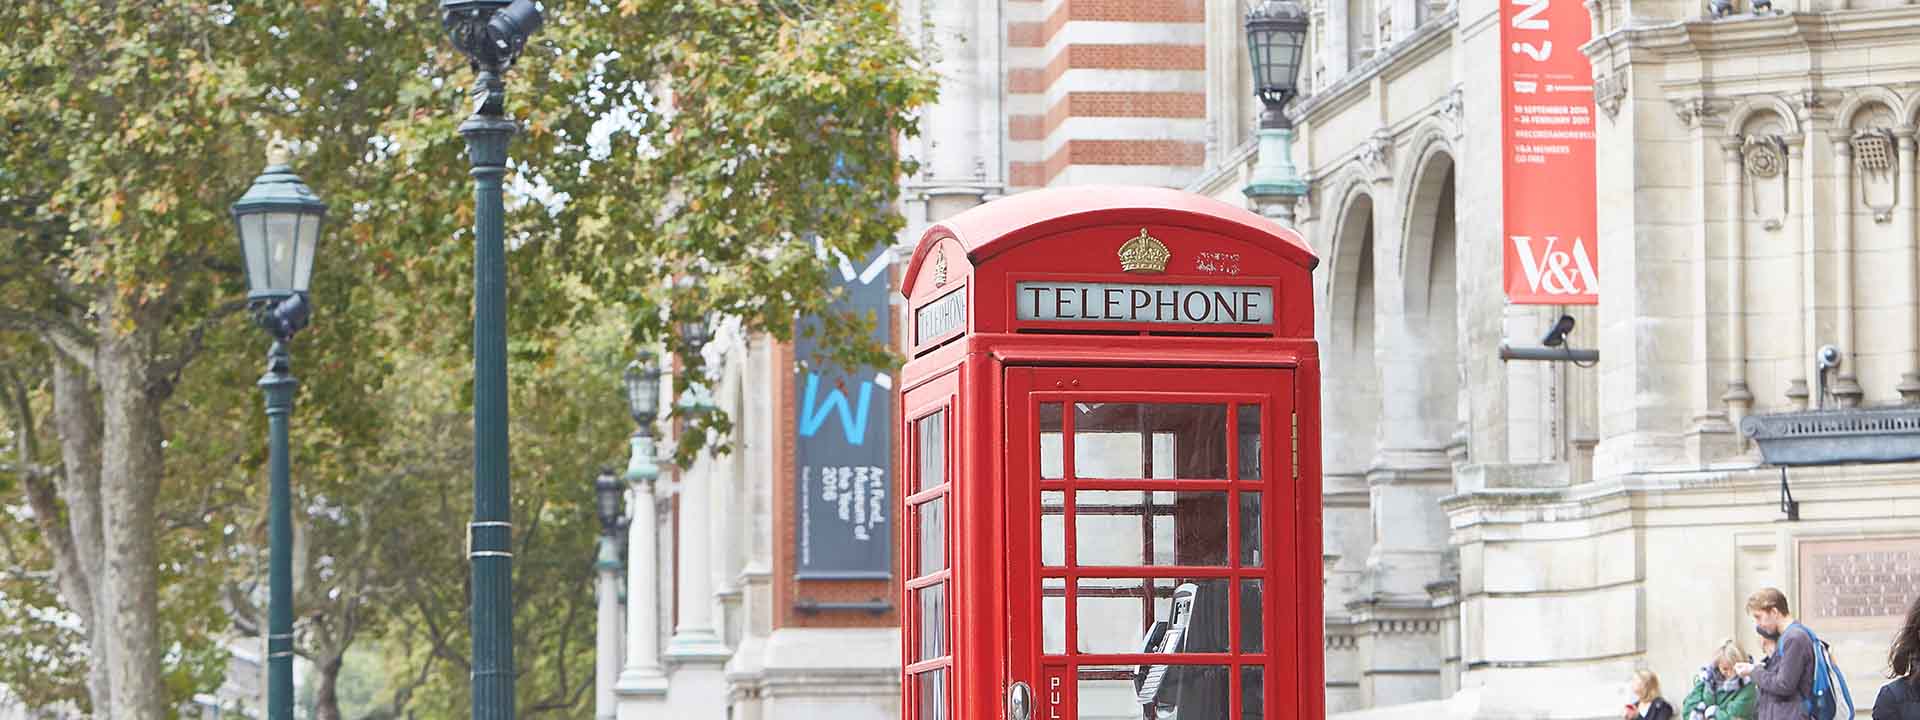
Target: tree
657 145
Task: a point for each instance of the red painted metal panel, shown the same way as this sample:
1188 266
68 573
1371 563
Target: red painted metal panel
993 373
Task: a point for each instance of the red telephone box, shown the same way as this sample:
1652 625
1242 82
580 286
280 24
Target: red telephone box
1111 436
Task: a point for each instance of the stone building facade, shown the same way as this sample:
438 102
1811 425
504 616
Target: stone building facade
1505 539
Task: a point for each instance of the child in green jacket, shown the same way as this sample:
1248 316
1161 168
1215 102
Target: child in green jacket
1718 692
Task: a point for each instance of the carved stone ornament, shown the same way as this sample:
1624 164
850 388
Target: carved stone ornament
1453 109
1762 158
1376 157
1695 111
1874 168
1609 90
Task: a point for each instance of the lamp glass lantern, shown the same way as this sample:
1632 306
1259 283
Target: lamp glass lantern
279 221
606 492
643 389
1276 41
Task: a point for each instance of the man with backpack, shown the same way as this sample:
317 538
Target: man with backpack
1796 682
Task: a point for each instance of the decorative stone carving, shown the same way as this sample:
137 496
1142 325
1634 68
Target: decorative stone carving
1609 90
1452 109
1376 157
1764 157
1695 112
1874 167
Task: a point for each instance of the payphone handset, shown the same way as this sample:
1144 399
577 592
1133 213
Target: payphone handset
1166 636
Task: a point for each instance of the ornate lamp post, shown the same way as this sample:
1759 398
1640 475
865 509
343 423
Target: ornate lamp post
696 334
1276 37
641 675
607 494
491 33
279 221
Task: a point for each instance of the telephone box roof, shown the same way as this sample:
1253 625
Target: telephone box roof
998 226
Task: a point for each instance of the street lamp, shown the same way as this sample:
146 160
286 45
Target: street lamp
696 333
607 494
279 221
491 33
1276 39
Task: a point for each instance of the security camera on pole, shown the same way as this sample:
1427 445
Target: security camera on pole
491 33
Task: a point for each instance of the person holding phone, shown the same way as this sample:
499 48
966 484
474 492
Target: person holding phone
1784 677
1647 703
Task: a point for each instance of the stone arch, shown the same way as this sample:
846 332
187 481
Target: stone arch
1755 107
1429 303
1352 254
1430 165
1351 381
1865 99
1908 109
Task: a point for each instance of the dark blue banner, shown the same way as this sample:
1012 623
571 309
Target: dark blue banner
843 440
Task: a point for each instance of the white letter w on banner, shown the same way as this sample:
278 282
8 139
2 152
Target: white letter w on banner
1550 269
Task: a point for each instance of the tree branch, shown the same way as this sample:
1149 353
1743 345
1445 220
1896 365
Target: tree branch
170 367
62 334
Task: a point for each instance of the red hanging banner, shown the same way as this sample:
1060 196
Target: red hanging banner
1546 103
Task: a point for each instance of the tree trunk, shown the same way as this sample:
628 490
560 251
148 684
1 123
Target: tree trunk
130 474
77 422
326 698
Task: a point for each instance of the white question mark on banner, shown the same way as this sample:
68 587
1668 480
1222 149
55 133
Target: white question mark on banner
1539 54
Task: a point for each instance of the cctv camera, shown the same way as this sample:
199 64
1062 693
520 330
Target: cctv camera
509 29
286 317
1558 335
1829 357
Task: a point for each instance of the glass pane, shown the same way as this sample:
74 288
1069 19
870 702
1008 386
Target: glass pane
1252 637
933 694
1052 458
1108 692
931 517
931 603
303 262
1053 616
1053 528
1251 554
1185 692
933 450
253 242
1139 440
1116 615
1249 442
282 229
1121 527
1253 692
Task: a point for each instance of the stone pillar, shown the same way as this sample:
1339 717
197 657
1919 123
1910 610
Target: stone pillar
606 660
1797 165
694 637
1738 397
641 677
1903 228
1846 389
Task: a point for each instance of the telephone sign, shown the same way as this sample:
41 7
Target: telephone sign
1110 428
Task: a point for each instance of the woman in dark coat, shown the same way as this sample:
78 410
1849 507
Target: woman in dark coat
1648 705
1900 699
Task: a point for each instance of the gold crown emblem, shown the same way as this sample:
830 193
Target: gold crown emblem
1144 254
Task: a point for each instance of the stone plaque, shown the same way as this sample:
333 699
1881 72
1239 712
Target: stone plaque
1857 584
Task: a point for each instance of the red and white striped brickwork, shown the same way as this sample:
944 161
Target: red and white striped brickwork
1107 91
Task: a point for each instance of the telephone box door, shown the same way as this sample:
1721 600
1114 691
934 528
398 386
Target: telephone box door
1151 515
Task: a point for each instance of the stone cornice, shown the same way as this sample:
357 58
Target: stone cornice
1750 36
1427 41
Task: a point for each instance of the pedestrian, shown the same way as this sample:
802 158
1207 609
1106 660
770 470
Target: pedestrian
1647 703
1784 677
1719 693
1900 699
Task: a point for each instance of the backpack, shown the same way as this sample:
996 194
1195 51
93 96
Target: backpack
1822 705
